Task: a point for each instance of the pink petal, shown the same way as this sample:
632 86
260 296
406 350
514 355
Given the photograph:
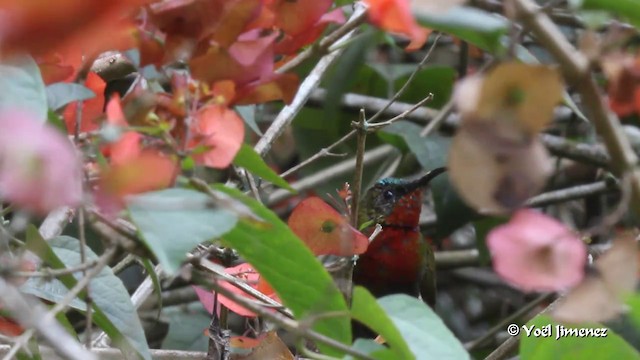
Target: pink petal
537 253
39 169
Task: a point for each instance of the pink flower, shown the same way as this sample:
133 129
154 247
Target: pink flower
537 253
39 169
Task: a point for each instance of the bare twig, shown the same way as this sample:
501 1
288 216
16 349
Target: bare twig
331 172
361 131
33 315
55 222
115 354
508 320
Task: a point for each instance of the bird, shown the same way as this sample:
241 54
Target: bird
399 260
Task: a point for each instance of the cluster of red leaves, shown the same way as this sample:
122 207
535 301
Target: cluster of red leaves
623 73
230 47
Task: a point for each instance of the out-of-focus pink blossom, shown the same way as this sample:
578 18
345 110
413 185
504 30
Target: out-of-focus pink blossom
39 169
537 253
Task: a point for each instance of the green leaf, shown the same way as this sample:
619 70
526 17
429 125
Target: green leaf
425 333
56 121
61 94
250 160
627 9
372 349
572 347
290 268
634 303
431 151
174 221
186 327
475 26
22 87
451 211
113 311
365 309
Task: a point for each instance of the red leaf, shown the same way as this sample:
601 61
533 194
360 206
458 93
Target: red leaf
146 172
91 109
54 68
246 273
245 61
395 16
279 87
220 129
324 230
128 146
9 327
38 27
296 17
290 44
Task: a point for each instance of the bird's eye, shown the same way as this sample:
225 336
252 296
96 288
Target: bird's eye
388 195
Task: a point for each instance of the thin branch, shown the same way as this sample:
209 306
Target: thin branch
31 314
332 172
47 272
311 82
290 325
218 271
361 131
413 75
508 320
115 354
83 259
55 222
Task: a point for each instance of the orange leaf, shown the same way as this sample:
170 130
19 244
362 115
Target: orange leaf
279 87
324 230
220 129
268 346
91 109
395 16
290 44
54 69
246 273
296 17
128 146
9 327
146 172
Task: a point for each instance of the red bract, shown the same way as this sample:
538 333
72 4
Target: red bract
537 253
221 130
128 146
395 16
245 273
324 230
245 61
291 43
39 170
91 109
146 172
